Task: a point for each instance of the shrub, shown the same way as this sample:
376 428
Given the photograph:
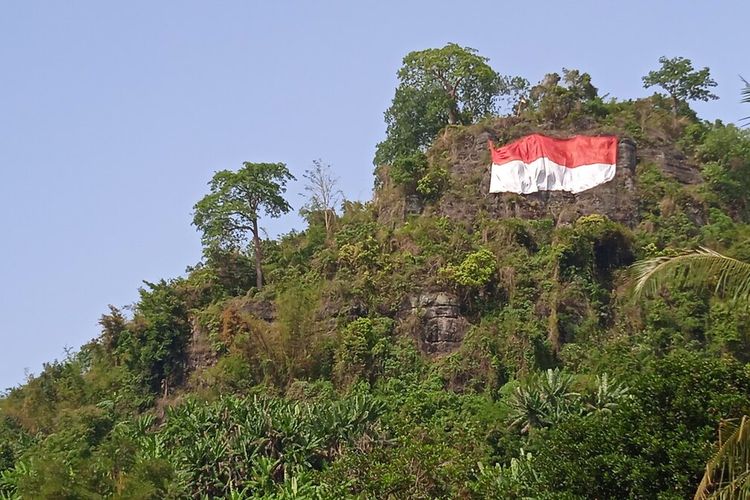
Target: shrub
476 270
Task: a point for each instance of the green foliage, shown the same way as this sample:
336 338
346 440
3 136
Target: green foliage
327 382
258 445
730 276
153 345
413 172
227 273
305 343
681 81
609 394
542 400
408 169
258 442
431 436
476 270
362 349
548 398
514 91
726 473
656 442
226 215
230 212
725 153
450 85
516 480
433 183
553 103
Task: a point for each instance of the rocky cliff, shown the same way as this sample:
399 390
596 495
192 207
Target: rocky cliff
465 156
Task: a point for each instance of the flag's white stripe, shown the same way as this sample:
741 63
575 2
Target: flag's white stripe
545 175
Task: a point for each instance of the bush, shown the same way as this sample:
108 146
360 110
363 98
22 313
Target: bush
476 270
363 346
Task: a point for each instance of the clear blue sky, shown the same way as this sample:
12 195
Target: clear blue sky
114 115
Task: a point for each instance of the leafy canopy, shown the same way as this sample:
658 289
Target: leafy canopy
450 85
681 81
231 210
730 277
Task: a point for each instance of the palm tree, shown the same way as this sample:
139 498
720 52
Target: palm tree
745 93
730 277
727 474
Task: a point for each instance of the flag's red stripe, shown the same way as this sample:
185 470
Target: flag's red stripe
571 153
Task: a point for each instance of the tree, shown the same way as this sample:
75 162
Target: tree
554 101
513 95
324 193
730 277
726 474
655 443
437 87
681 81
577 86
231 210
723 477
746 95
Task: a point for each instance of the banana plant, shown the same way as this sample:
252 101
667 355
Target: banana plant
542 400
608 395
9 479
253 446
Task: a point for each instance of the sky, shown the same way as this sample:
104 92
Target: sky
115 115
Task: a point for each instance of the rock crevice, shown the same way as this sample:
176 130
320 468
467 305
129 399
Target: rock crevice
442 326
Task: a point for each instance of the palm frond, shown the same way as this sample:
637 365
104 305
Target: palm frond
731 277
727 474
745 93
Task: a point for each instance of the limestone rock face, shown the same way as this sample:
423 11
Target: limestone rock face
442 327
413 205
470 175
261 309
199 352
435 316
673 164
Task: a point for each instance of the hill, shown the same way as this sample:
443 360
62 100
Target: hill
437 342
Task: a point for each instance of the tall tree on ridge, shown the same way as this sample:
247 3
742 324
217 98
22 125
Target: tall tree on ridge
324 193
682 82
231 210
437 87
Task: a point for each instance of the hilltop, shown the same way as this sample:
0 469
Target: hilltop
438 341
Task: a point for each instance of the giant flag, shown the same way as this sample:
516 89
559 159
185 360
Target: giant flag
539 163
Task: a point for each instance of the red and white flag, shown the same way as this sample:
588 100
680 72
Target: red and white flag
539 163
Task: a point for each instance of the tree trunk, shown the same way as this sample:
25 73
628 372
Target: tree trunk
327 216
452 114
553 327
258 256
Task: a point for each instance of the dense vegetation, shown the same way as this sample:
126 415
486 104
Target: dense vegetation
316 385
